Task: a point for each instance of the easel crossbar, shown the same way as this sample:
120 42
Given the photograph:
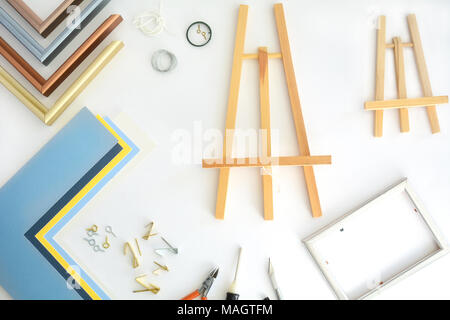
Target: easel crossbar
266 162
248 56
405 103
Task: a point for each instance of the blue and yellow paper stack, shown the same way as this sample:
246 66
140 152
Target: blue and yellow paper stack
44 196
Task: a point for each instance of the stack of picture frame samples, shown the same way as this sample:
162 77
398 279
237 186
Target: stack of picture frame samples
46 55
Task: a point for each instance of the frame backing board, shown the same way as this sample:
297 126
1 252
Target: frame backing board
376 245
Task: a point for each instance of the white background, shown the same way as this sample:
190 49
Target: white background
333 47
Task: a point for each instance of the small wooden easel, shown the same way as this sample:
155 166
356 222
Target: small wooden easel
266 161
402 103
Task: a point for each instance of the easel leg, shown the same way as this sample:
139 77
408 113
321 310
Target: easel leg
296 109
232 109
401 83
379 77
263 60
423 71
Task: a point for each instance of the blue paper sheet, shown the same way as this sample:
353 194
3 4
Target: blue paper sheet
44 180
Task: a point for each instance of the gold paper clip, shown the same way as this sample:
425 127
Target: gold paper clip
170 248
160 267
135 260
137 245
148 287
149 233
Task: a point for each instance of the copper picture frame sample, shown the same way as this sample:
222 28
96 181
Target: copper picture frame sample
47 86
50 115
46 54
44 27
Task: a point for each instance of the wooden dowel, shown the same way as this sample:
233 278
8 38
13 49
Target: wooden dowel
423 71
262 162
401 83
232 109
405 103
247 56
300 129
264 100
402 44
379 73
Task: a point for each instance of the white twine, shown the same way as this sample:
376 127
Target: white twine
151 23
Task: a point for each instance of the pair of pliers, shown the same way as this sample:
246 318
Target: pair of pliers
204 289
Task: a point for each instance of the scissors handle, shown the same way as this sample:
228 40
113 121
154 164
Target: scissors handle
192 296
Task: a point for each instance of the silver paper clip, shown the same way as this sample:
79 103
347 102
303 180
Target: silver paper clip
159 251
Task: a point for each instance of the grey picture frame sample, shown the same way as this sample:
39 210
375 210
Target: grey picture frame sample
402 186
46 55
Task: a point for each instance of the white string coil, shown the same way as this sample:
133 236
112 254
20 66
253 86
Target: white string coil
151 23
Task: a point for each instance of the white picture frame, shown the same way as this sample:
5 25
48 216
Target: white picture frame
316 241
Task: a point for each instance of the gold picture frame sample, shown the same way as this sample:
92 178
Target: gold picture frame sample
49 115
44 27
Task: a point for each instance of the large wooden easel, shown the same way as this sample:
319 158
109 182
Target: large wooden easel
267 161
402 103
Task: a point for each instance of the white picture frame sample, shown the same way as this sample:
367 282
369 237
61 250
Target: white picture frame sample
371 248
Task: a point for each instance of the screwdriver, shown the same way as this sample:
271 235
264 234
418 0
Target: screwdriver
231 294
274 280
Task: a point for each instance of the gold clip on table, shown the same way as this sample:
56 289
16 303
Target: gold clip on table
148 286
402 103
305 159
160 267
135 258
149 232
49 116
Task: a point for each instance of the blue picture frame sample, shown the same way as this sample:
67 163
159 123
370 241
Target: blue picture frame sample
46 55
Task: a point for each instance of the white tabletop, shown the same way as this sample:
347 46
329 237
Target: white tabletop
333 48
